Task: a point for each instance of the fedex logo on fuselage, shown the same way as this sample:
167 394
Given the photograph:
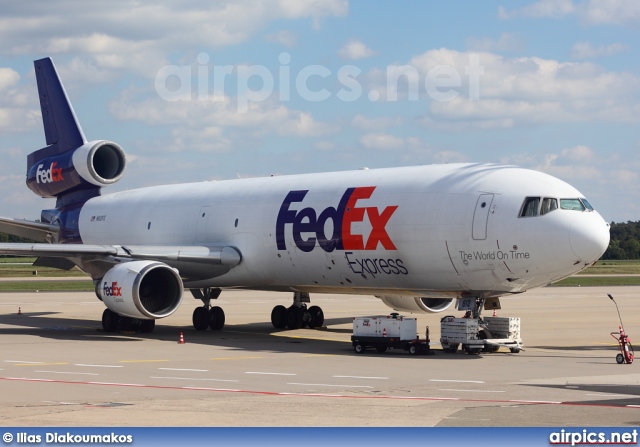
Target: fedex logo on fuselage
111 290
50 175
308 226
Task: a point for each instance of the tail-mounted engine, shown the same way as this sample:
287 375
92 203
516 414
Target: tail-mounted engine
416 303
96 163
141 289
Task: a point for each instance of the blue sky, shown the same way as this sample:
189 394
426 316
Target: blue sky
559 89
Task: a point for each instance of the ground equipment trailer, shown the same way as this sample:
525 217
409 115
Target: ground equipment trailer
475 335
388 332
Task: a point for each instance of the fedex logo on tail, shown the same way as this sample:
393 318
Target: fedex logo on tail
53 174
308 226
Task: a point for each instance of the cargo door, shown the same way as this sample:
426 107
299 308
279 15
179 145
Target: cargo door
202 224
481 217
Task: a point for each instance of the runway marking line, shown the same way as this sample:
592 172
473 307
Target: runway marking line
340 396
235 358
67 372
360 377
456 381
40 364
98 366
270 373
143 361
192 378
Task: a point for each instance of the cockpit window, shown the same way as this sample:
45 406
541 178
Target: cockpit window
530 207
586 204
548 205
571 204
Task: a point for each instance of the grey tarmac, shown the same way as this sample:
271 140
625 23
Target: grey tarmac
57 367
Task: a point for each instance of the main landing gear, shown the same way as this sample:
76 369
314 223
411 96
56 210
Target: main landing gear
207 316
297 316
113 322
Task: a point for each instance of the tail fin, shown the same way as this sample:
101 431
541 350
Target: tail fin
61 127
68 164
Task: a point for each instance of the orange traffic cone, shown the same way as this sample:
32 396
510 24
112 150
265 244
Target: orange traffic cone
181 341
19 311
384 332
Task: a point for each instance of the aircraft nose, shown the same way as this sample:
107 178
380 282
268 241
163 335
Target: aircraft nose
589 237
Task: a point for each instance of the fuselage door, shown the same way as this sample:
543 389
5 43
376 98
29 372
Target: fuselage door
201 224
481 216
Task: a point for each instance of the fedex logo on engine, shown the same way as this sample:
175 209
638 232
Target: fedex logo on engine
50 175
111 290
308 227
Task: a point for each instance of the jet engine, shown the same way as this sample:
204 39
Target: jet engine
417 304
97 163
141 289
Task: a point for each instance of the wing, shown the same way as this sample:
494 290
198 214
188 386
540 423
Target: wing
193 262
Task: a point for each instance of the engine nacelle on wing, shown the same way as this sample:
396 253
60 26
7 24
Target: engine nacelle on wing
97 163
141 289
416 303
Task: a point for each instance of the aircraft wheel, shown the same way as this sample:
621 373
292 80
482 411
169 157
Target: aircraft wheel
294 317
317 317
109 320
125 324
216 318
200 318
279 317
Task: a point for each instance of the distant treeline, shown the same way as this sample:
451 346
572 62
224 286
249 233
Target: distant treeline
4 237
625 241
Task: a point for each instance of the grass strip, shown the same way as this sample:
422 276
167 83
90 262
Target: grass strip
47 286
599 281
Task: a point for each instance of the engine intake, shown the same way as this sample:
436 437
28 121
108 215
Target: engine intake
416 303
141 289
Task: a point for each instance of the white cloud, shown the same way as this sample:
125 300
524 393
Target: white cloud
593 12
283 37
354 50
584 50
125 35
8 78
214 125
365 123
520 90
507 42
15 102
381 141
540 9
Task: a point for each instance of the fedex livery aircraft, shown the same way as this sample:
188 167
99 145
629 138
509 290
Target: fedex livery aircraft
418 238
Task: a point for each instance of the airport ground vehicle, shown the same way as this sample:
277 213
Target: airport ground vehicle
388 332
475 335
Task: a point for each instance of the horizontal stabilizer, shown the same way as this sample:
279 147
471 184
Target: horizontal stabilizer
36 231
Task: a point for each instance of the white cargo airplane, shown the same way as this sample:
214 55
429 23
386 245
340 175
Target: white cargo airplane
416 237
